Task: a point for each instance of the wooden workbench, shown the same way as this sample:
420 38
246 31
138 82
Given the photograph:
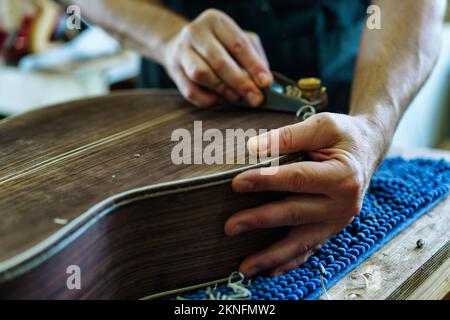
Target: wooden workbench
401 270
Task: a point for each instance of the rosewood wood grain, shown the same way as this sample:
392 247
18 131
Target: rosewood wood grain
137 223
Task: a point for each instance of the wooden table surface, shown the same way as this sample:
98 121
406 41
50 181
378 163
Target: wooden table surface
401 270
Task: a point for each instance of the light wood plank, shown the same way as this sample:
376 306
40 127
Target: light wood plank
436 286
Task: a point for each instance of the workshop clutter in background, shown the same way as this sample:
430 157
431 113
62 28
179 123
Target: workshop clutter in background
49 55
31 26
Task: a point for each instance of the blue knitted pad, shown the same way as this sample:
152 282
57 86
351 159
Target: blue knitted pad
400 192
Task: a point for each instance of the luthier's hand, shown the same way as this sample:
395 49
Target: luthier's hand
327 191
212 57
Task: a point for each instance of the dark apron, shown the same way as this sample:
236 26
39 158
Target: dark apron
301 38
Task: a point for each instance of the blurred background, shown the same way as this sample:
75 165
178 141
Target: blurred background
43 63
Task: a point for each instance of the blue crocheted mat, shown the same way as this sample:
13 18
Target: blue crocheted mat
400 192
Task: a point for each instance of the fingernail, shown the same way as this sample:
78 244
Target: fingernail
262 143
254 98
252 271
240 228
243 186
257 144
231 95
252 145
277 274
264 79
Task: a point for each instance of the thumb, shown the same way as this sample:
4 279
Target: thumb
312 134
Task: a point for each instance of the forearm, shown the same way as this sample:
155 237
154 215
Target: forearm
394 62
143 25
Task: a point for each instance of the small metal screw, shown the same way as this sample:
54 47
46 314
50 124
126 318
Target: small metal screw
420 243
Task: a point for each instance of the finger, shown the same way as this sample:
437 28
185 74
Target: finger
257 45
193 92
314 133
300 177
322 155
199 71
300 243
238 44
226 68
329 231
290 265
292 211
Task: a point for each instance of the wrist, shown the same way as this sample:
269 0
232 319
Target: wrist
160 52
167 48
381 118
377 135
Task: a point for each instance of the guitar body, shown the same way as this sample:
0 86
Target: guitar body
90 186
